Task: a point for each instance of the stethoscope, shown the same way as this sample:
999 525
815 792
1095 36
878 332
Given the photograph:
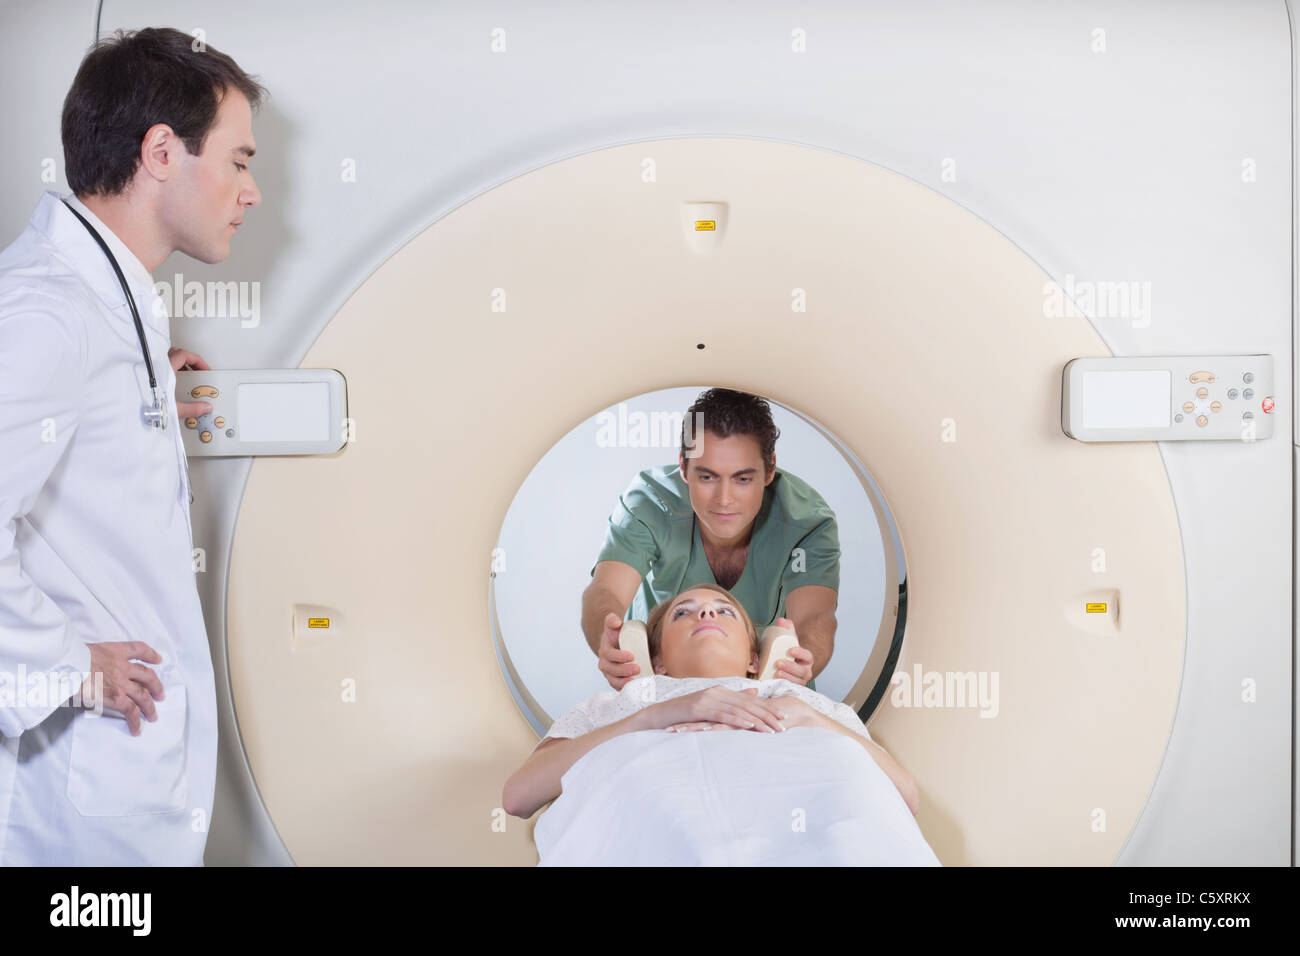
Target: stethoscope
156 416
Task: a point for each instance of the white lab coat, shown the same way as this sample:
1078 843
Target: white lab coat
95 545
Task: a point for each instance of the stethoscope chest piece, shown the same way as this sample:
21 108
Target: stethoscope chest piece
157 415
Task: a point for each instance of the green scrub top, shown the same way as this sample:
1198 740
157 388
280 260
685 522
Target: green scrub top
653 528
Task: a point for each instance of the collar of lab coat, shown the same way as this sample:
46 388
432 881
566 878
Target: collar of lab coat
53 220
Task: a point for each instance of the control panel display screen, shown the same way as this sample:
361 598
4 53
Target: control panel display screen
1136 398
284 412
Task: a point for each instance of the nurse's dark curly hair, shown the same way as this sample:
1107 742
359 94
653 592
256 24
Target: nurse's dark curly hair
132 81
727 412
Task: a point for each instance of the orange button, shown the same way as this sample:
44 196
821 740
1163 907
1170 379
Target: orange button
204 391
1188 407
191 422
219 422
1215 406
1196 377
205 436
1202 392
1202 420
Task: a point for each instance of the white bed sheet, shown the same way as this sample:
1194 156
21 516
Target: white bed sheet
806 797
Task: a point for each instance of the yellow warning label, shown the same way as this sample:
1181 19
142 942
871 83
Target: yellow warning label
1095 608
706 225
318 622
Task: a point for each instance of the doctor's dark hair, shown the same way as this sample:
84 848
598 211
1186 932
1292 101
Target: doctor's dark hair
131 81
654 624
727 412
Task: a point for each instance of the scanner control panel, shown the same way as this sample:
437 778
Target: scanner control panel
264 412
1169 398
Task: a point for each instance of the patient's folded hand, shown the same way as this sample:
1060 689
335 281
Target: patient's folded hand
799 713
739 709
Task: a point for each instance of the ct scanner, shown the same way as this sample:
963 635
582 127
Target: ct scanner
484 219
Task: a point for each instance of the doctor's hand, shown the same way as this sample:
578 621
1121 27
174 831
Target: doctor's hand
800 669
614 663
187 361
128 688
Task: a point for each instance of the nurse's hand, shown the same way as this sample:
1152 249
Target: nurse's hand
128 688
799 670
614 663
187 361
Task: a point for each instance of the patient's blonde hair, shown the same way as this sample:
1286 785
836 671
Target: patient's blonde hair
654 624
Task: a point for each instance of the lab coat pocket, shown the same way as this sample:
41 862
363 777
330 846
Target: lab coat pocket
112 774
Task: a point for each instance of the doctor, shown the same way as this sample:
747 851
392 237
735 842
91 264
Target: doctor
97 584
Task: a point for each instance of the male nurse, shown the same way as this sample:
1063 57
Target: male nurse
108 722
723 514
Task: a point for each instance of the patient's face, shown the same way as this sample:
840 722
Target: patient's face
726 483
704 636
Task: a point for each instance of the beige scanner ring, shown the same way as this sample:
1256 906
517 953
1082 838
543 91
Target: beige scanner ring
923 346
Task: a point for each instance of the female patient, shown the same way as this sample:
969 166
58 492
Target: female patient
704 650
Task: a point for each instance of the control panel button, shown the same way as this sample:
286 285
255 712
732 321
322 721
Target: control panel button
204 391
1188 406
1202 392
230 433
1215 406
219 422
1202 420
1248 377
1247 416
1248 394
1178 418
1198 377
205 437
1267 405
1232 393
191 422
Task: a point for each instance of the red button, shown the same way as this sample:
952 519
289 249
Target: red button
1267 404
